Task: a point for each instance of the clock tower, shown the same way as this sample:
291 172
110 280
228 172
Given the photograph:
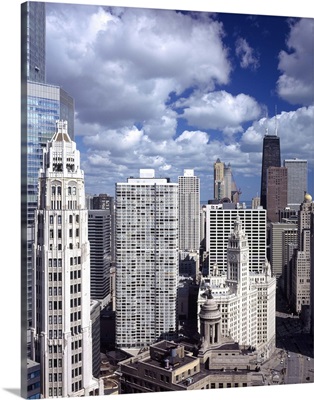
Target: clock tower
238 257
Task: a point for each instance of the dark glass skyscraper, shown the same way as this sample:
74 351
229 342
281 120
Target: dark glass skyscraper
34 18
271 158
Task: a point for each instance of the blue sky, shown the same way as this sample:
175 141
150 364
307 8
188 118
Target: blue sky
169 90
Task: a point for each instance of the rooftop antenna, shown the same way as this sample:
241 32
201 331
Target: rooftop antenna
276 125
266 131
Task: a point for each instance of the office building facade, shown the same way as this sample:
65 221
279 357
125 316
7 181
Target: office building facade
105 202
219 224
271 158
277 188
33 19
99 237
61 329
281 234
189 211
297 181
301 261
146 260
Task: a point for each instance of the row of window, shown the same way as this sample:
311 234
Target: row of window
57 190
55 363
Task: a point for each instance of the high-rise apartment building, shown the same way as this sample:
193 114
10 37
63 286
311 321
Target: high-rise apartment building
189 211
276 197
301 261
146 260
61 328
99 236
219 224
271 158
297 181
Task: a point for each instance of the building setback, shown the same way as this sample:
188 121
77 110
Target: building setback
146 260
61 330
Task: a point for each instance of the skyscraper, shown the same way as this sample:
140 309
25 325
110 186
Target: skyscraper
42 106
297 181
105 202
219 180
61 328
189 211
99 236
146 260
33 16
276 196
224 184
281 234
271 158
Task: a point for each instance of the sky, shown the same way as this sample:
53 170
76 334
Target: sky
177 89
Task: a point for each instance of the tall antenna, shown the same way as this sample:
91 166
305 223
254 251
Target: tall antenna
276 125
266 130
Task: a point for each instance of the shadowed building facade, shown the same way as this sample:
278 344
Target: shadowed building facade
271 158
277 189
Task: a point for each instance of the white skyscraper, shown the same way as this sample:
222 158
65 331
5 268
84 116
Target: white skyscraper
146 260
189 211
297 181
219 224
61 329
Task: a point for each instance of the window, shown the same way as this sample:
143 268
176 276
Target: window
69 190
59 219
59 190
51 219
